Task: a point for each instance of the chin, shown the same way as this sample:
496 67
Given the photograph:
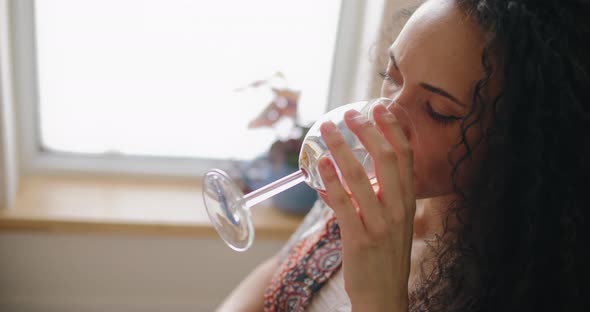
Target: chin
423 192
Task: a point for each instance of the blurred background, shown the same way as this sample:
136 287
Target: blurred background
112 110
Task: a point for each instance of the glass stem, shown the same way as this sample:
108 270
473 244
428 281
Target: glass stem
273 188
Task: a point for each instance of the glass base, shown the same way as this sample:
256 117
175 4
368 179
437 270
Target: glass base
227 210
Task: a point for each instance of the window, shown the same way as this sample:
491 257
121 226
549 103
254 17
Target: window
151 85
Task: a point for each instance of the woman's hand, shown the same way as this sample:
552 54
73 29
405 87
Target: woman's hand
376 226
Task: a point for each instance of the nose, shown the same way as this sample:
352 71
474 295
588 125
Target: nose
403 117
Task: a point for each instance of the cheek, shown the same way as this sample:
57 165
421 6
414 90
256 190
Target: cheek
431 144
432 171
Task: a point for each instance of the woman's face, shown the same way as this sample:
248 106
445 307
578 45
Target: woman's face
434 65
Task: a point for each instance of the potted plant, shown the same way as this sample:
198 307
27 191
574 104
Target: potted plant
282 158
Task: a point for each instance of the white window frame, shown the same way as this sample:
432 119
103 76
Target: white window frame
9 172
34 160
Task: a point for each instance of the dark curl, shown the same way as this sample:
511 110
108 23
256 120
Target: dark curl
522 244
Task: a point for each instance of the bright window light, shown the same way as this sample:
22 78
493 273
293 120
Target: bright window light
158 77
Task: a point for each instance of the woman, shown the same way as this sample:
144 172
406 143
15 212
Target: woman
488 125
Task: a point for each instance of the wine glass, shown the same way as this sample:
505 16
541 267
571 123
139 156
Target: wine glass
229 209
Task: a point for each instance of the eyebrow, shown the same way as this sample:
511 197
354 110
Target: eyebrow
442 92
429 87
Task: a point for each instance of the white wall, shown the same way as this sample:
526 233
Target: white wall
65 272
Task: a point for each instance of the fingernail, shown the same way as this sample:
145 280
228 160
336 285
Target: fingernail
355 116
383 113
380 109
351 114
328 127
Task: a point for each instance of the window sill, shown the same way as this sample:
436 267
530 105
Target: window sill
125 205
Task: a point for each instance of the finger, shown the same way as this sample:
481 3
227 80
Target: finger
394 134
325 198
352 171
339 200
383 153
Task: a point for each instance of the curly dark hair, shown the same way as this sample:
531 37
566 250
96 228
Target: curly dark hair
522 244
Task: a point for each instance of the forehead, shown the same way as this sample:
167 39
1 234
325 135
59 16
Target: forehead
439 41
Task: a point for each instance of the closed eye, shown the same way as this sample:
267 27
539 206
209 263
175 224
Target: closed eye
386 77
440 118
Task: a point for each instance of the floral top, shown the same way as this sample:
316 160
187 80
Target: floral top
309 267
